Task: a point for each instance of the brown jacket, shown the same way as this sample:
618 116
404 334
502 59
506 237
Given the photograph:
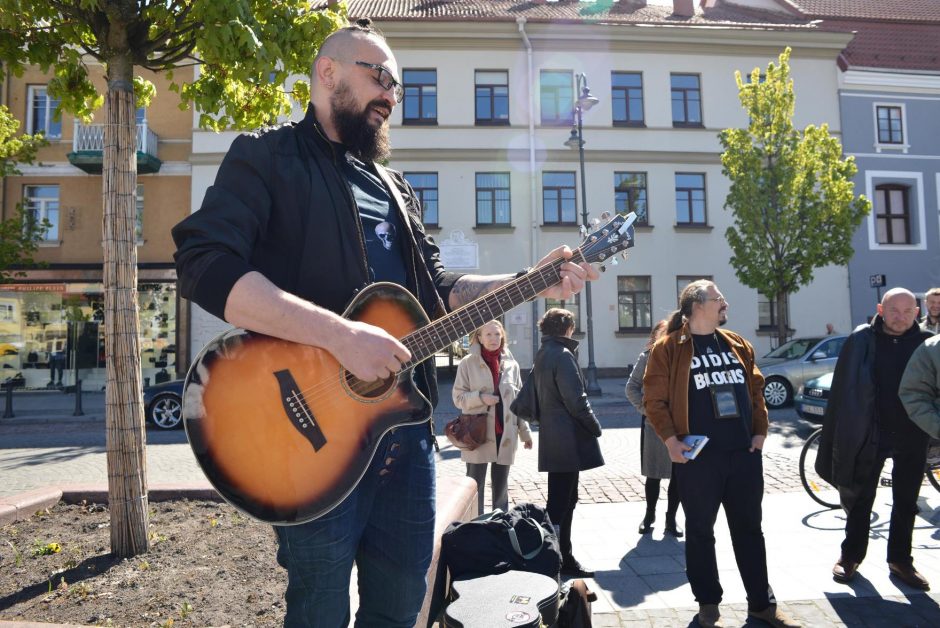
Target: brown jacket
666 383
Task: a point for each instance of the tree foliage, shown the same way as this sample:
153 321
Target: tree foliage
19 234
245 51
792 195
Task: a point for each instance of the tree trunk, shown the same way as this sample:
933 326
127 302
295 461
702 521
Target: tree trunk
126 441
782 323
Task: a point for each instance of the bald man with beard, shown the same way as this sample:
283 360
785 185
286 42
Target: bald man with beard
284 239
865 424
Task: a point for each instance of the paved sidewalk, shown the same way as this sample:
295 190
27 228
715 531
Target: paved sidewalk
640 581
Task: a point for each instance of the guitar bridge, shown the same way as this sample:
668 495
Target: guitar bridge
297 410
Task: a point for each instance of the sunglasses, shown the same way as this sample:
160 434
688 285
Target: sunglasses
384 78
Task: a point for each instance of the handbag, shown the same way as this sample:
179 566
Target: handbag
526 404
467 431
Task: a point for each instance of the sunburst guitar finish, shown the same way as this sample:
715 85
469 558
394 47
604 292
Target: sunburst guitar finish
284 433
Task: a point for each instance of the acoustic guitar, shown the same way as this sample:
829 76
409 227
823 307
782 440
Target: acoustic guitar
284 433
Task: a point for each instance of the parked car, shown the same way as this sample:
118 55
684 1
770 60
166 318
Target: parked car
811 398
790 365
163 404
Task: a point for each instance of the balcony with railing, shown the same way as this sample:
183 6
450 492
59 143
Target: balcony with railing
88 148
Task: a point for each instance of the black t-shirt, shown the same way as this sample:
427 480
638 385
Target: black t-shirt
715 364
382 228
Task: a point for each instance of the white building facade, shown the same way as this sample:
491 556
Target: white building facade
482 131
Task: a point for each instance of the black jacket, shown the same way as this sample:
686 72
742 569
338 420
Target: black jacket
848 448
568 429
281 206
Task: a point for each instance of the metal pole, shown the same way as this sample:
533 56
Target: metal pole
78 399
592 388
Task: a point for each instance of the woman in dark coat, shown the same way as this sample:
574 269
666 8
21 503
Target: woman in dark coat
568 429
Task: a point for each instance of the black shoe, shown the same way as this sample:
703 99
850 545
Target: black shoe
571 567
646 526
673 528
909 576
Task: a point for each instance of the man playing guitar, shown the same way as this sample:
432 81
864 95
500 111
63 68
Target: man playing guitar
300 219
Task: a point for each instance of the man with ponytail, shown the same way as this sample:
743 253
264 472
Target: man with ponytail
702 380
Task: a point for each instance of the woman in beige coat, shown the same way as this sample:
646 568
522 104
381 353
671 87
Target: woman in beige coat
488 381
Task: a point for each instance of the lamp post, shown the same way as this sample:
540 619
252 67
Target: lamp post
584 102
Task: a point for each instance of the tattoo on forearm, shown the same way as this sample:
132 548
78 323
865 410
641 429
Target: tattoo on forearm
471 287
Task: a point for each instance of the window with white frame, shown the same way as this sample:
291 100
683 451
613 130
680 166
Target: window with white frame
42 204
889 125
898 219
41 112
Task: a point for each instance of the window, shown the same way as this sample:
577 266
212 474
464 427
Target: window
41 110
627 97
42 203
767 311
139 221
492 97
634 303
557 97
420 104
558 198
140 115
686 100
630 195
832 347
690 199
683 280
890 125
573 305
425 186
493 198
892 214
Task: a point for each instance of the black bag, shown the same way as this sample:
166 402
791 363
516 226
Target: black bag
522 539
467 431
575 611
526 404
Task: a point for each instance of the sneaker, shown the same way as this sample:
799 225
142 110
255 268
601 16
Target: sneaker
709 616
775 617
571 567
844 570
909 576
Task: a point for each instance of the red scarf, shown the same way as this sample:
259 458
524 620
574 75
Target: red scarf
491 359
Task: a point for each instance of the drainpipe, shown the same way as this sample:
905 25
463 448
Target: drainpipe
533 190
5 77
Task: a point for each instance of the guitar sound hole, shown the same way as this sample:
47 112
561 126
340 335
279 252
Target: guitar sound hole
370 390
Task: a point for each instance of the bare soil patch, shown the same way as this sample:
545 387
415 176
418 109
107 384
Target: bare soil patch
208 565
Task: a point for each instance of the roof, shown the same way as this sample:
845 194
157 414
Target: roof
893 10
893 45
570 11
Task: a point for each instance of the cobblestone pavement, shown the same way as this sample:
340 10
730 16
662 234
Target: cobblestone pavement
43 447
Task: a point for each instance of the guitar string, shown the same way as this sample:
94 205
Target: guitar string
315 391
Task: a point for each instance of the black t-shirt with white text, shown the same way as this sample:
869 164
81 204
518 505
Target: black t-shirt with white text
381 224
715 364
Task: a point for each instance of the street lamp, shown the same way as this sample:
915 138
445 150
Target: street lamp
584 102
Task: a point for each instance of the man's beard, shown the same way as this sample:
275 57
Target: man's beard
359 136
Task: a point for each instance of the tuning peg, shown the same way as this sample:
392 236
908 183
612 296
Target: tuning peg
605 215
603 269
582 230
595 223
624 255
613 260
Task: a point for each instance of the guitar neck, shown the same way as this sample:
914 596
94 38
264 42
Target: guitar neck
437 335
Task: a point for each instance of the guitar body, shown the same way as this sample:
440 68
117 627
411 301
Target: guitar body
280 429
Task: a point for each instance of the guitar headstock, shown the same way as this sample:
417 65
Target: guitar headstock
616 236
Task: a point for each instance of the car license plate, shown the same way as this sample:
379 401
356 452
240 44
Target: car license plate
814 410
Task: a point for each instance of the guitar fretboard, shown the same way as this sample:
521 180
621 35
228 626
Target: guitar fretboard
437 335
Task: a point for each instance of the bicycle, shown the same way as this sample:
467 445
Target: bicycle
827 495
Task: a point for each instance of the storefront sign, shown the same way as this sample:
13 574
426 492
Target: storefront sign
32 287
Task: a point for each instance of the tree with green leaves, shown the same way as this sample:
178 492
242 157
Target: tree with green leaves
246 51
792 195
20 233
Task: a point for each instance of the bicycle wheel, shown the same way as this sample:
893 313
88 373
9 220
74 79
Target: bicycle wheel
821 491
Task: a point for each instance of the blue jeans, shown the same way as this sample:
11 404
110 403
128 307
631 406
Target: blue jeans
386 525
